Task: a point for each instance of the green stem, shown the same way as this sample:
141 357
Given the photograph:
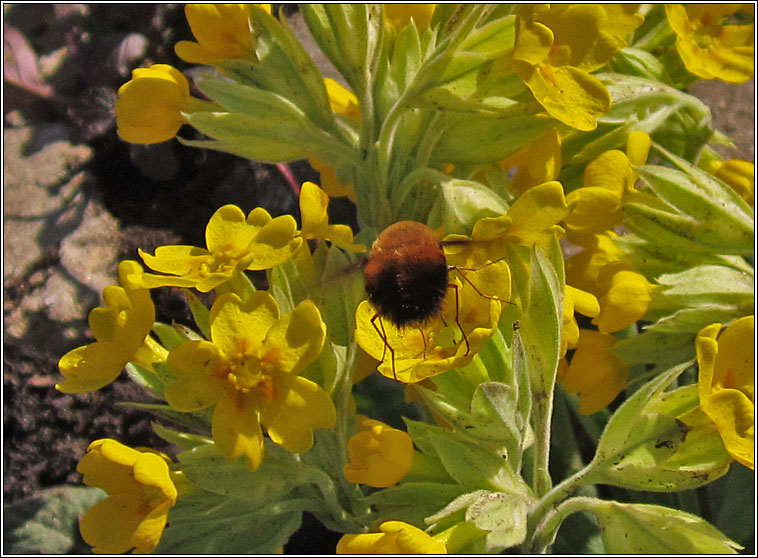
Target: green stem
544 534
548 504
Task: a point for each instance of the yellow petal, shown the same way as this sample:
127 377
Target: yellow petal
626 298
638 147
342 100
228 231
399 15
108 526
148 533
568 94
594 372
298 407
593 210
610 170
735 364
585 303
298 337
396 537
379 456
535 214
149 106
237 431
275 243
734 416
92 366
196 386
533 43
233 320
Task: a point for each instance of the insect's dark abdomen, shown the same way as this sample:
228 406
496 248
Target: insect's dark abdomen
406 276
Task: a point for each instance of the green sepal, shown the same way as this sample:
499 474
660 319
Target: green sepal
149 381
200 313
636 62
169 336
501 515
540 330
649 529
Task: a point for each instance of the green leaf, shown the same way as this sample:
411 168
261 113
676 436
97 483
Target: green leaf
413 502
540 330
183 440
503 516
199 421
260 125
462 203
206 523
649 529
470 464
709 213
351 36
496 137
48 522
278 475
645 447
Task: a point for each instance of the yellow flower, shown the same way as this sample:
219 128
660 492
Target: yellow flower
140 495
330 183
400 15
250 372
234 243
595 373
150 105
379 455
532 219
342 100
738 174
575 300
538 162
395 537
411 354
708 48
222 32
557 46
313 204
624 295
121 329
609 180
726 384
583 268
